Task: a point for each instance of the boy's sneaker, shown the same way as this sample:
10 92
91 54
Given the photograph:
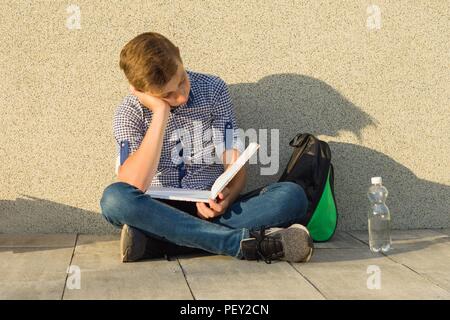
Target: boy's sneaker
132 244
292 244
136 245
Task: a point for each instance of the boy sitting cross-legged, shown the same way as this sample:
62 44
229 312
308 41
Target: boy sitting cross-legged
166 100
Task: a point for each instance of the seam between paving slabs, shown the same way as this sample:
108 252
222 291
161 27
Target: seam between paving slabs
356 238
309 281
70 263
185 279
422 275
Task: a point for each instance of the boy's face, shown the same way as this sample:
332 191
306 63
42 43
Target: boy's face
176 91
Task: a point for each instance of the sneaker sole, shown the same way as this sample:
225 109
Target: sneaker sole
297 243
132 244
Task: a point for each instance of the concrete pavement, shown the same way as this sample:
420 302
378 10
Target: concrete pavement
70 266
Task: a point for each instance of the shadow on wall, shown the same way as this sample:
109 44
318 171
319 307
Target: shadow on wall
297 103
292 103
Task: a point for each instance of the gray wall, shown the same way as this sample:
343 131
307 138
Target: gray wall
379 96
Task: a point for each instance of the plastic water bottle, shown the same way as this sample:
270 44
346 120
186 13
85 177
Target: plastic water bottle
379 217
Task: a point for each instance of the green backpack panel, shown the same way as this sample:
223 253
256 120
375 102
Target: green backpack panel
324 219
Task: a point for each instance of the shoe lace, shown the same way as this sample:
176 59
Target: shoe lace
267 248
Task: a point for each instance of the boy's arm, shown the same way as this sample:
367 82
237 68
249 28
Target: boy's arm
229 194
237 184
140 167
228 147
226 137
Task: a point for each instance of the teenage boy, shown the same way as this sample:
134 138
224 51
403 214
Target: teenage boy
165 100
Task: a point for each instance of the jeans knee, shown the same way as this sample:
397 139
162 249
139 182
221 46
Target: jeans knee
113 199
296 199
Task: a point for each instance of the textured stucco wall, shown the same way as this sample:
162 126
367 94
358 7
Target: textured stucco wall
379 96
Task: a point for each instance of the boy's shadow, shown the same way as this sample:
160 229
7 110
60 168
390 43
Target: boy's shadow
30 215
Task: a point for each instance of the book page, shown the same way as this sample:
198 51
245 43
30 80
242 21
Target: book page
232 170
178 194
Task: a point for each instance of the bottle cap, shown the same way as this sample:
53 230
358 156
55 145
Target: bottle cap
376 180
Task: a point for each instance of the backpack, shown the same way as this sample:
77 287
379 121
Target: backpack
310 166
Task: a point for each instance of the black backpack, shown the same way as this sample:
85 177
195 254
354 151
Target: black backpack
310 166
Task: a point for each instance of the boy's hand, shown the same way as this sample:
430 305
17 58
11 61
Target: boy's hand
154 104
216 208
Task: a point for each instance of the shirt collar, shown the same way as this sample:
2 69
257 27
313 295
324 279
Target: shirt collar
191 98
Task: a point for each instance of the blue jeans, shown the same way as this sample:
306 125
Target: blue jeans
279 204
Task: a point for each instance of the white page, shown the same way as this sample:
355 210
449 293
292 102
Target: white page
222 181
179 194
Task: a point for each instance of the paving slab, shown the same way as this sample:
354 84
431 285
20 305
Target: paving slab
340 240
445 231
222 277
361 274
423 235
38 269
427 252
34 266
103 276
37 240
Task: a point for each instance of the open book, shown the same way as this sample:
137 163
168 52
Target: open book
203 195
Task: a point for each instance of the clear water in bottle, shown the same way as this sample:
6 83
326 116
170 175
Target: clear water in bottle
379 217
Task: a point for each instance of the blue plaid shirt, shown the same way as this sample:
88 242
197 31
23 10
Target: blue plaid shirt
197 131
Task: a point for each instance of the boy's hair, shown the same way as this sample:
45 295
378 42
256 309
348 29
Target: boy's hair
149 61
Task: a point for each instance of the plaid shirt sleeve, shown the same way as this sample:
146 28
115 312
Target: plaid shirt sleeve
224 124
128 125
